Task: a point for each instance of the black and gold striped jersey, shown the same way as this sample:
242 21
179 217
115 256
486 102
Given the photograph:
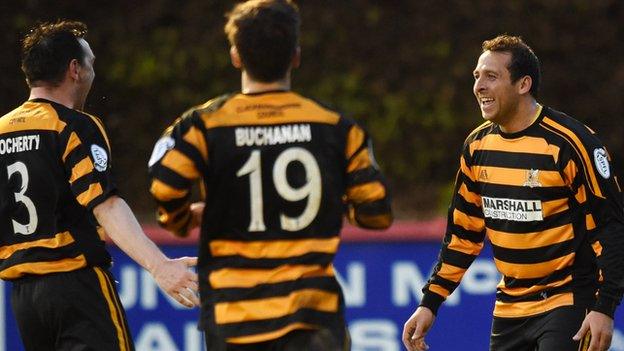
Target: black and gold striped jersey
549 203
279 172
54 169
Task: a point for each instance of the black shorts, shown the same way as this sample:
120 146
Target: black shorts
550 331
77 310
297 340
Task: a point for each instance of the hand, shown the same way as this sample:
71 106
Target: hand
197 212
174 278
416 328
601 328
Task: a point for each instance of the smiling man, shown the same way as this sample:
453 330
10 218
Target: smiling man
539 185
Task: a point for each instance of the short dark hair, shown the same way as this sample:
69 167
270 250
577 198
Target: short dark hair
524 62
48 48
266 35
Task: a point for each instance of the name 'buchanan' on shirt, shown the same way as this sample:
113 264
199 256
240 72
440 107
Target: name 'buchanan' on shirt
272 135
19 144
512 209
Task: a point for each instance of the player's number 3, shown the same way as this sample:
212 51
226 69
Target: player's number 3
311 189
31 226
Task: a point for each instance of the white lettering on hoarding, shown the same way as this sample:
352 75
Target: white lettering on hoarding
374 334
127 290
354 287
617 343
193 338
139 291
155 336
407 282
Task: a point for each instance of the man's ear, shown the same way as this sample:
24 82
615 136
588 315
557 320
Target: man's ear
235 57
526 83
73 70
296 60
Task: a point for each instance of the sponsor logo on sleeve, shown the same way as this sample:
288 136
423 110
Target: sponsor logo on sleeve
512 209
100 158
163 145
602 162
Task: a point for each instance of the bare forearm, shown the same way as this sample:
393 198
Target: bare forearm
120 224
173 276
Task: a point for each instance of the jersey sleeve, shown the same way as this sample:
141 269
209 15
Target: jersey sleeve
589 174
176 162
367 197
463 240
86 157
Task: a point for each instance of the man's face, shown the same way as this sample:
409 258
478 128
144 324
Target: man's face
87 74
497 96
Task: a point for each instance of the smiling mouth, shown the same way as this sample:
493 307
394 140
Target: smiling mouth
486 101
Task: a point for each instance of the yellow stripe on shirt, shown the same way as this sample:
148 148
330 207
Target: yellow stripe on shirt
534 270
94 190
273 249
531 240
180 164
276 307
59 240
64 265
355 139
530 308
85 166
247 277
72 143
256 338
367 192
584 156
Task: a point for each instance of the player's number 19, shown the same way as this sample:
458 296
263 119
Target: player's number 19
311 189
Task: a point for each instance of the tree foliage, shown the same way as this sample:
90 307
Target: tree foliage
402 68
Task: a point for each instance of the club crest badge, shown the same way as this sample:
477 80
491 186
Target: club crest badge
532 178
100 158
602 162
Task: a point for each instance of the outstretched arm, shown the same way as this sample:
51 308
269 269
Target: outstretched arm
172 275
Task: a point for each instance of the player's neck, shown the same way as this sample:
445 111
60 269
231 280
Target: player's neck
60 94
523 117
251 86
